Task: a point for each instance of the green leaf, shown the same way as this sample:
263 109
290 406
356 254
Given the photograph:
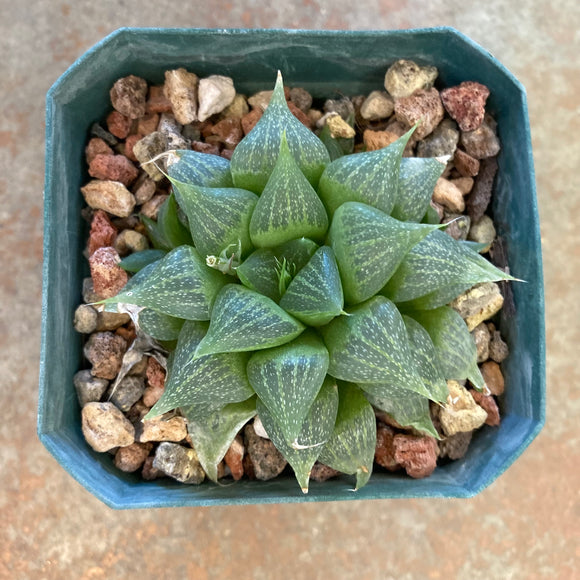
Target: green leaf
315 295
315 431
218 217
417 179
425 358
425 363
454 345
287 380
296 252
160 326
256 155
259 271
431 216
407 409
370 345
351 448
180 285
155 234
204 383
244 320
370 178
213 434
138 260
170 226
200 169
437 270
288 207
369 246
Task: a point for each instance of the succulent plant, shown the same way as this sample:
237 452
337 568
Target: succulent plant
305 291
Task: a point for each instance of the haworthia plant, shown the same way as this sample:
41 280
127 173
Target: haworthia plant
417 179
254 315
315 431
160 326
315 294
454 345
437 270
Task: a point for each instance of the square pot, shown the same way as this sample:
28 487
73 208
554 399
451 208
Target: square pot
324 63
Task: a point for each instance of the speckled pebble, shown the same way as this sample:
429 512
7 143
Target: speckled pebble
378 105
131 458
105 350
105 427
423 107
461 413
127 392
160 429
89 389
181 87
481 337
443 141
267 462
85 319
108 277
498 349
404 77
128 96
149 148
455 446
478 304
180 463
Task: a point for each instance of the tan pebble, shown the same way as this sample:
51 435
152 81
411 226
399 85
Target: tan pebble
105 427
158 429
448 195
181 89
132 457
461 413
339 128
375 140
108 277
478 304
493 377
152 207
464 184
110 196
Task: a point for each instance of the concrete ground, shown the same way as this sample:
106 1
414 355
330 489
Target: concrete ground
526 525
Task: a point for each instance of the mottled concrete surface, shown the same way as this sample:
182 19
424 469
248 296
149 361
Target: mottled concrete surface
524 526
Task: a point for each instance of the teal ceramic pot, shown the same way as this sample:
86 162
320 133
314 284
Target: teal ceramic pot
324 63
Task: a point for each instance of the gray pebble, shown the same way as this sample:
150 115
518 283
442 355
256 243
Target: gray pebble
343 107
89 389
267 461
443 140
148 148
108 138
498 349
85 319
178 462
89 294
128 392
301 98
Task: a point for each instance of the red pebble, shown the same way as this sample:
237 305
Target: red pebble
488 404
129 144
234 458
299 114
229 131
113 168
466 104
118 124
385 450
201 147
156 382
157 102
108 277
249 120
417 455
103 232
96 147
